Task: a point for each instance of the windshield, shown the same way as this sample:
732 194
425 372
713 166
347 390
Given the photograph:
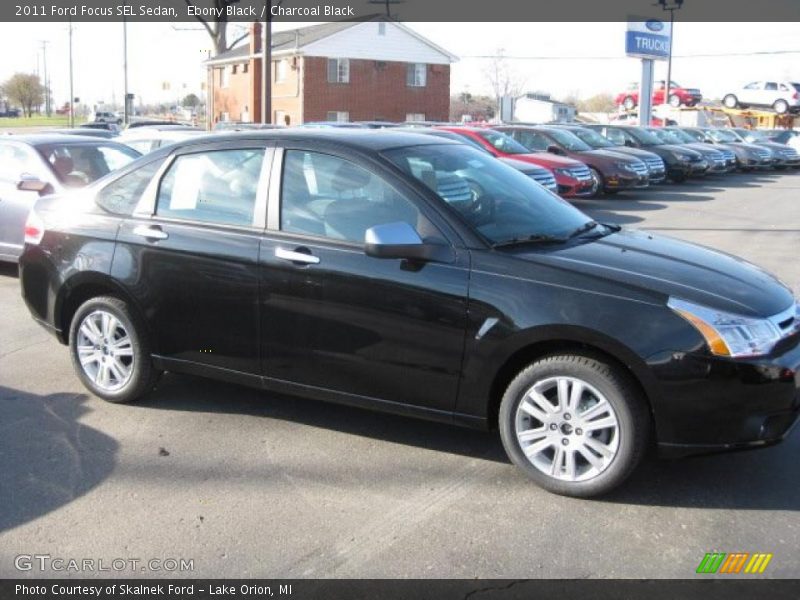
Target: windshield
665 136
754 136
569 140
77 165
592 138
644 137
682 136
504 143
723 135
695 135
495 200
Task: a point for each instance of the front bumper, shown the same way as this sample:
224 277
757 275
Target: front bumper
712 404
569 187
624 181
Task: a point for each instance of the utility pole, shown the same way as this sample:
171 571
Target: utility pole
46 82
266 65
71 90
125 115
665 5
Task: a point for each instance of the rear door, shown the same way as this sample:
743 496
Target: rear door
189 255
335 319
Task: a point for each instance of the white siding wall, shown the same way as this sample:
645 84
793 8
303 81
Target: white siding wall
362 41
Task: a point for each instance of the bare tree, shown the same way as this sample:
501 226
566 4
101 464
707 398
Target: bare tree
218 29
26 90
503 78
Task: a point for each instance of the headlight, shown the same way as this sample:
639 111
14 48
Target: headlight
625 166
728 334
564 172
683 157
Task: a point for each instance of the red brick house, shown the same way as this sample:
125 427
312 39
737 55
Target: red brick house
347 71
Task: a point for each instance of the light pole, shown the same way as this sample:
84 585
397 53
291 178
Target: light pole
125 116
266 65
671 7
71 90
46 82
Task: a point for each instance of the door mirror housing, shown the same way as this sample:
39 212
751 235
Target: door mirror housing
629 143
555 150
400 240
29 183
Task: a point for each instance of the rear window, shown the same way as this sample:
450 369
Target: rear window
78 165
796 86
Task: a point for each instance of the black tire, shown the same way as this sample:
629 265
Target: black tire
600 181
678 177
629 103
143 375
781 107
730 101
620 392
674 100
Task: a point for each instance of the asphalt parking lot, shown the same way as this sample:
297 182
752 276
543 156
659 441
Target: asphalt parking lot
247 484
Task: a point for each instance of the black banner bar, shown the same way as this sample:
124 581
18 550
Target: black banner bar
416 589
403 10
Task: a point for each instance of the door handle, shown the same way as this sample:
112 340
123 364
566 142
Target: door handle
150 232
296 257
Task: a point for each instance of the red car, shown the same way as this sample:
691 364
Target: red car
678 95
574 179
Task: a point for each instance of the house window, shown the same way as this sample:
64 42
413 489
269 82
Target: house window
245 68
281 66
338 70
416 76
381 28
415 117
339 116
224 77
234 68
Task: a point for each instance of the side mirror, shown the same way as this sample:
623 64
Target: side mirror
555 150
400 240
29 183
629 143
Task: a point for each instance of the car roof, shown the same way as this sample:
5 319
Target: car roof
364 139
43 139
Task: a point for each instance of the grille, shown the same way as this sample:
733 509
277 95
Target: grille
654 163
580 172
728 155
762 153
546 179
789 153
639 168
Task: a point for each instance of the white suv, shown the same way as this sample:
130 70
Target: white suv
102 116
783 96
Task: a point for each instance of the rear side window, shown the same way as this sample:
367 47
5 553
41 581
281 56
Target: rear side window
218 186
122 195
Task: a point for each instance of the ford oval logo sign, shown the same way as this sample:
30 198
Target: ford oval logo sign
654 25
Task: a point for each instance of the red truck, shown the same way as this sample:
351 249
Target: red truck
678 95
574 179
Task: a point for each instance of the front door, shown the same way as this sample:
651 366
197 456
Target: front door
336 319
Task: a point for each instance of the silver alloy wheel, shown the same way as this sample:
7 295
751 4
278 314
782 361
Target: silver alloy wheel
105 350
567 429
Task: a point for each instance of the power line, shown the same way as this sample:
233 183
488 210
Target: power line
617 57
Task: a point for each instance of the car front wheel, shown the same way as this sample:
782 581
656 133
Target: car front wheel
110 351
781 107
574 423
730 101
674 100
629 103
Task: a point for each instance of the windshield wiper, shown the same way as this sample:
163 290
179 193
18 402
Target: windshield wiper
532 239
588 226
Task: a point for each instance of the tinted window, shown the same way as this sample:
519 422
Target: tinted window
496 200
327 196
771 86
121 195
219 186
569 140
591 137
77 165
616 136
531 140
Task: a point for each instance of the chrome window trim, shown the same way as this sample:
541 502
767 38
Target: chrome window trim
146 207
276 181
262 191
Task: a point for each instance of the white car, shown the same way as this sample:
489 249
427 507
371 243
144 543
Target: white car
147 139
104 116
782 96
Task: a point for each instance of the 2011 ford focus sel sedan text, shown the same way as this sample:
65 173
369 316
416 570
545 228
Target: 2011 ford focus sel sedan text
341 266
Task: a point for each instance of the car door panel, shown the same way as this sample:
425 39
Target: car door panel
358 325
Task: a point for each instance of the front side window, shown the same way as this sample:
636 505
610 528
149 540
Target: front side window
338 70
592 138
531 140
77 165
417 75
326 196
219 186
121 196
616 136
771 86
502 142
497 201
753 86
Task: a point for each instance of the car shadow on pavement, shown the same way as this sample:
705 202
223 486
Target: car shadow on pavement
184 392
9 270
47 457
764 479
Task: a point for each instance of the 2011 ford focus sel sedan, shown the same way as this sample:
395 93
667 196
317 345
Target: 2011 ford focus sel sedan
331 264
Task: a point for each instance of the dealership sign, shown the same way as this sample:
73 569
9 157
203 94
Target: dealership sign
647 38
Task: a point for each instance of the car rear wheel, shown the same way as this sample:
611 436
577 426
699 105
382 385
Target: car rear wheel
781 107
730 101
110 351
674 100
574 423
629 103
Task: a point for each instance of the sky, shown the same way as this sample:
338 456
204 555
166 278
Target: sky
580 59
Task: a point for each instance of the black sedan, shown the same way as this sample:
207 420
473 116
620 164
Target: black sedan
326 264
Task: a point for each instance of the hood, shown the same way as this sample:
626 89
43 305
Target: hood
546 159
639 153
672 267
677 148
605 155
704 149
525 167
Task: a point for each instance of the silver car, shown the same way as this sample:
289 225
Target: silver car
782 96
35 165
